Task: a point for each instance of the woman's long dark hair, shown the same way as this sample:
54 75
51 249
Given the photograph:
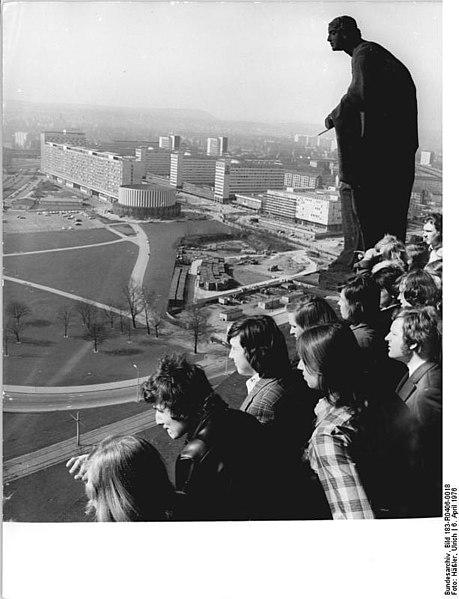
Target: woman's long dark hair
332 352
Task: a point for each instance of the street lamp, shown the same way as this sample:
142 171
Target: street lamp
138 375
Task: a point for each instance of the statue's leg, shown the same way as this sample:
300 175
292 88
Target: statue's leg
351 229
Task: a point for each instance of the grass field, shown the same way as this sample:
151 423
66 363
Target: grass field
30 242
45 357
94 273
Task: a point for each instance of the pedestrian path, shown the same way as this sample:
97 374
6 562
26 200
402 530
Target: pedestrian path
30 463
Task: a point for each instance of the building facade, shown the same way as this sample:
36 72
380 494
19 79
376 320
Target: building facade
319 210
147 200
217 146
248 177
302 179
191 169
154 160
93 172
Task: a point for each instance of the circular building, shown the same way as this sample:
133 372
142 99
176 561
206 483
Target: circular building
147 201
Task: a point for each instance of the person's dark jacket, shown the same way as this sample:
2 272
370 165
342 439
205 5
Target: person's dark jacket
422 394
284 405
223 469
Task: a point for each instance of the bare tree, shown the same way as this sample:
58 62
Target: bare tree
110 314
119 306
17 311
87 313
156 319
132 295
97 333
196 320
150 304
65 315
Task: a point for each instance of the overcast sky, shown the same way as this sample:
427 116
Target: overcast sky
251 61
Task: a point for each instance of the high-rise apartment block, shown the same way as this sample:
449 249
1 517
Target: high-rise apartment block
191 169
21 140
426 158
90 171
217 146
169 142
71 138
251 176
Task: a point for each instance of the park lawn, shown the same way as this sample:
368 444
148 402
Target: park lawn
46 358
124 228
43 240
94 273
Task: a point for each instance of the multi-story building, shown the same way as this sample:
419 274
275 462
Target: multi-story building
280 203
320 210
147 200
21 140
426 158
217 146
99 173
191 169
251 176
70 138
301 139
169 142
155 161
303 179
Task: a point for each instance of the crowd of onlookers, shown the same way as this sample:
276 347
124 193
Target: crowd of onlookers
351 429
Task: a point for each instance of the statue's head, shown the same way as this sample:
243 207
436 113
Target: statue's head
343 33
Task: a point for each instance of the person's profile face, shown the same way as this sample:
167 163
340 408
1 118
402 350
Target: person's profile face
430 234
343 304
295 329
237 354
312 378
396 346
174 428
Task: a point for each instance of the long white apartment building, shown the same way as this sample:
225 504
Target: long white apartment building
155 161
70 138
321 209
191 169
90 171
251 176
217 146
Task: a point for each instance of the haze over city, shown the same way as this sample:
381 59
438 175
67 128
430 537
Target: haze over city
241 61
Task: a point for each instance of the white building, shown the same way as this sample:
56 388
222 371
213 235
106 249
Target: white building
191 169
248 177
321 210
217 146
90 171
169 142
154 160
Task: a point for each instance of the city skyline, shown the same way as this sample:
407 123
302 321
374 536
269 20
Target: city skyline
267 61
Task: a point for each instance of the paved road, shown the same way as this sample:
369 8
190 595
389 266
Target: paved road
18 399
59 452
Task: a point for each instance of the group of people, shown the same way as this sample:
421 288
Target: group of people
349 429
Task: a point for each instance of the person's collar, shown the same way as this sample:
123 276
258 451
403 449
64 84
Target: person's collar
252 381
414 363
322 408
